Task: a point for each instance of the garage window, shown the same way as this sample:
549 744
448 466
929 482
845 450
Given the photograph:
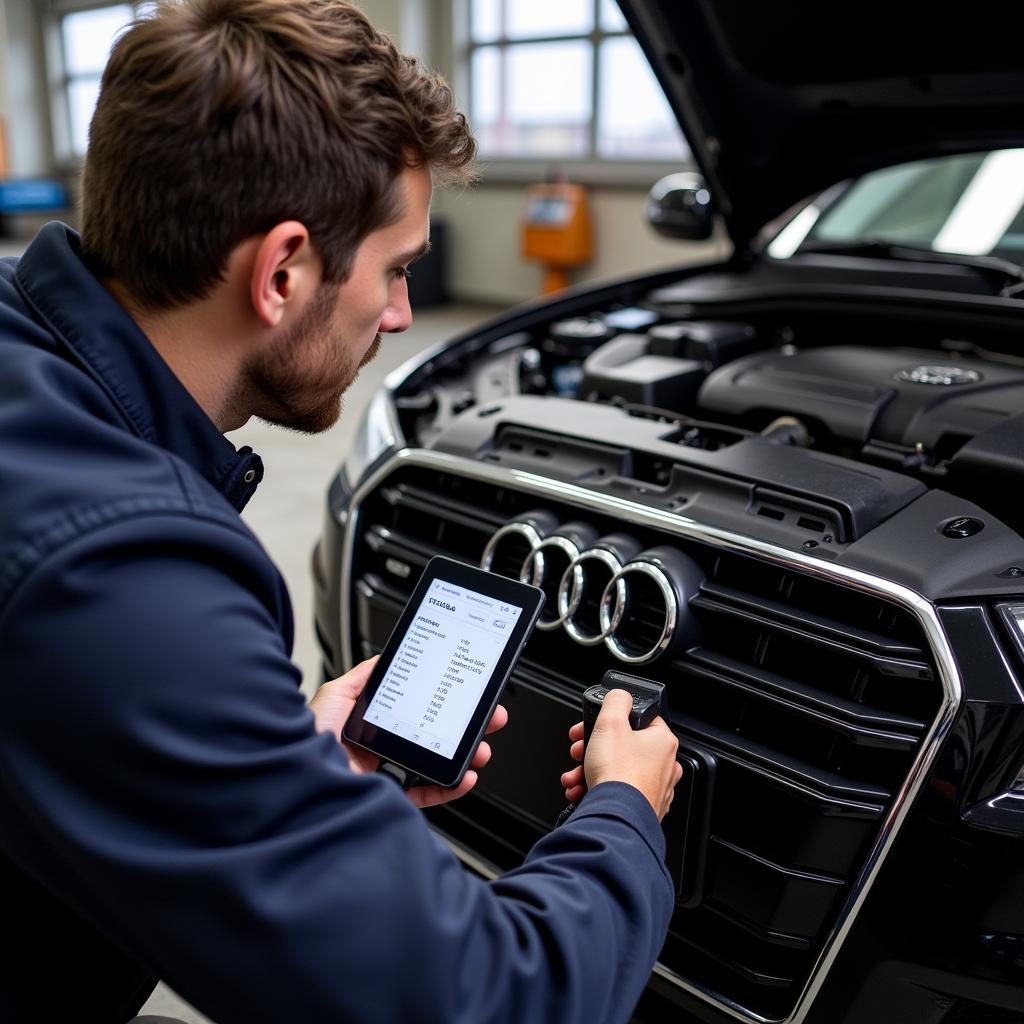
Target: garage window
564 81
84 38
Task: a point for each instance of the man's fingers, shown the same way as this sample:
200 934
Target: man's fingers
573 777
615 709
482 755
498 720
576 732
353 682
431 796
576 751
333 702
575 794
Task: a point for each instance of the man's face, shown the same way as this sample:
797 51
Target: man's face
299 380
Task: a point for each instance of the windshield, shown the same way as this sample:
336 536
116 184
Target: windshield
970 204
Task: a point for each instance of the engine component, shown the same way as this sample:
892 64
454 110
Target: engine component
582 330
625 369
858 394
787 430
709 341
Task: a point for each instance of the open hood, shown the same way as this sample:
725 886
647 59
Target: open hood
781 100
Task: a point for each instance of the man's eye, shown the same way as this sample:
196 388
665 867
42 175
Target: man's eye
403 272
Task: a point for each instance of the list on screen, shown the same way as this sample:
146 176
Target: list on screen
442 666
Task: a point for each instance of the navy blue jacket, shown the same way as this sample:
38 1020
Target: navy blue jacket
167 808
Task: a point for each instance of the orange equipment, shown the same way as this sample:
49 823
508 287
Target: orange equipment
556 231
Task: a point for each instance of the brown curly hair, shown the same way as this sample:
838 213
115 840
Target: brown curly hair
218 119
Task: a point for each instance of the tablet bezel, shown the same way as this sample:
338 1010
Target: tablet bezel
420 761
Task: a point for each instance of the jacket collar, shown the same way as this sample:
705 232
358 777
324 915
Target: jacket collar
107 342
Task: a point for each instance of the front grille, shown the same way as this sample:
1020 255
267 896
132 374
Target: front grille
811 699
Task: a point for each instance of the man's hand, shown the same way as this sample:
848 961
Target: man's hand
333 704
645 759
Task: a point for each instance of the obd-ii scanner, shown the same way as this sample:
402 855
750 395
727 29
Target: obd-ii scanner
646 700
647 697
687 824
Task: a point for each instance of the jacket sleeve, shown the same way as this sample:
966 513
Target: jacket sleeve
167 781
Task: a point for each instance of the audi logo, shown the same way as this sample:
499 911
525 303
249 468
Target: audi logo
600 590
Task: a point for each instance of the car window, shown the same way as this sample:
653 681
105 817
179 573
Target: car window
970 203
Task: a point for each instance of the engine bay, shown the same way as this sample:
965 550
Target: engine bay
824 485
895 394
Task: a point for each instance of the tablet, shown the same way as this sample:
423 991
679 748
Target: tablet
435 687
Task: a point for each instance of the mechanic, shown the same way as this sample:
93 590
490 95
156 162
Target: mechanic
257 183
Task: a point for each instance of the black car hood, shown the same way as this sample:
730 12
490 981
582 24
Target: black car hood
780 100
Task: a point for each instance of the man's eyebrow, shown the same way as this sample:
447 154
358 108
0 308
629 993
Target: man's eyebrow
414 254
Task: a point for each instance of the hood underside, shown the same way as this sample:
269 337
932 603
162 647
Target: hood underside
779 101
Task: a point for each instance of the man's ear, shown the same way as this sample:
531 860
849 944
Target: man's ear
285 271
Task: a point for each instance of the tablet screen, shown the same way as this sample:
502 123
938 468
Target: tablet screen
438 675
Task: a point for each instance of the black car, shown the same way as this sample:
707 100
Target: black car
790 487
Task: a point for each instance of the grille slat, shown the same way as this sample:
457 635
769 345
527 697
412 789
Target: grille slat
858 734
904 668
772 682
387 542
423 501
874 642
755 753
767 897
767 935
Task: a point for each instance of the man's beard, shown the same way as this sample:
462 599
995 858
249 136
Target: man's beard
298 383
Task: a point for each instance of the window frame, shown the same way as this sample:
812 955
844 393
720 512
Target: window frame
60 79
592 169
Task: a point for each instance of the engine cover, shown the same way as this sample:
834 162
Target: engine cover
904 397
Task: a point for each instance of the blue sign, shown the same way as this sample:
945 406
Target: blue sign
32 195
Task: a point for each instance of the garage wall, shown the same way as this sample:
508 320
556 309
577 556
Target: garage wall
4 107
24 89
484 261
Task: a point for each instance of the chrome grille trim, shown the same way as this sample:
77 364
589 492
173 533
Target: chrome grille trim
682 526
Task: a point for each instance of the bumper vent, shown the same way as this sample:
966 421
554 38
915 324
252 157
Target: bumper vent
808 699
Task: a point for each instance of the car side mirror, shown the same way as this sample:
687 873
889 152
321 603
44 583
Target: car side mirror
680 206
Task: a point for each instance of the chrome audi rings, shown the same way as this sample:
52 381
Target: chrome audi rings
582 587
600 590
549 562
509 547
638 612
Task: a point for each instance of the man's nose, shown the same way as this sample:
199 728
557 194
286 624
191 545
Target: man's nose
398 316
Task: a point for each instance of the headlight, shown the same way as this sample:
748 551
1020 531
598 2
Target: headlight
378 433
